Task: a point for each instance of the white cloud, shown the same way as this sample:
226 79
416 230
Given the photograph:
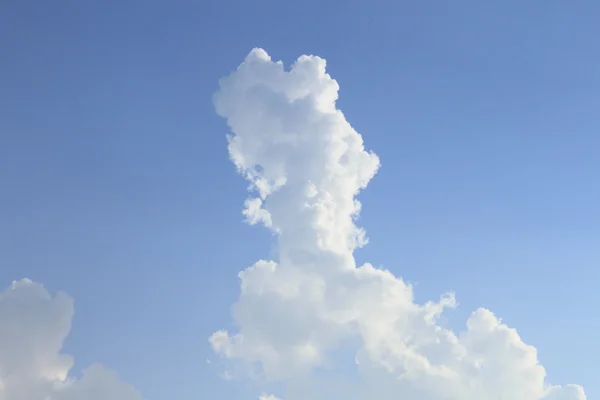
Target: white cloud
268 397
308 164
33 327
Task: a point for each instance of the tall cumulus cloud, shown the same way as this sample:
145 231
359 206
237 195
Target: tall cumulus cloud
296 315
33 327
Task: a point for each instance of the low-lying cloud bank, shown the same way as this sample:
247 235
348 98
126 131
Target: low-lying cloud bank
306 311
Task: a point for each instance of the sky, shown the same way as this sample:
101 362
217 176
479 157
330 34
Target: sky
127 214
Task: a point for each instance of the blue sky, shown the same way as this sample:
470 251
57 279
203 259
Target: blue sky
118 190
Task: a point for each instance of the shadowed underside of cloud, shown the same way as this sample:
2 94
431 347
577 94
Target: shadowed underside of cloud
306 165
33 327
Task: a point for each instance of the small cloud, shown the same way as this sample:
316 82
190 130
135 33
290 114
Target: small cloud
268 397
33 327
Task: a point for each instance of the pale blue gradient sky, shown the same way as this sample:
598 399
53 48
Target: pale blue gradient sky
116 186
